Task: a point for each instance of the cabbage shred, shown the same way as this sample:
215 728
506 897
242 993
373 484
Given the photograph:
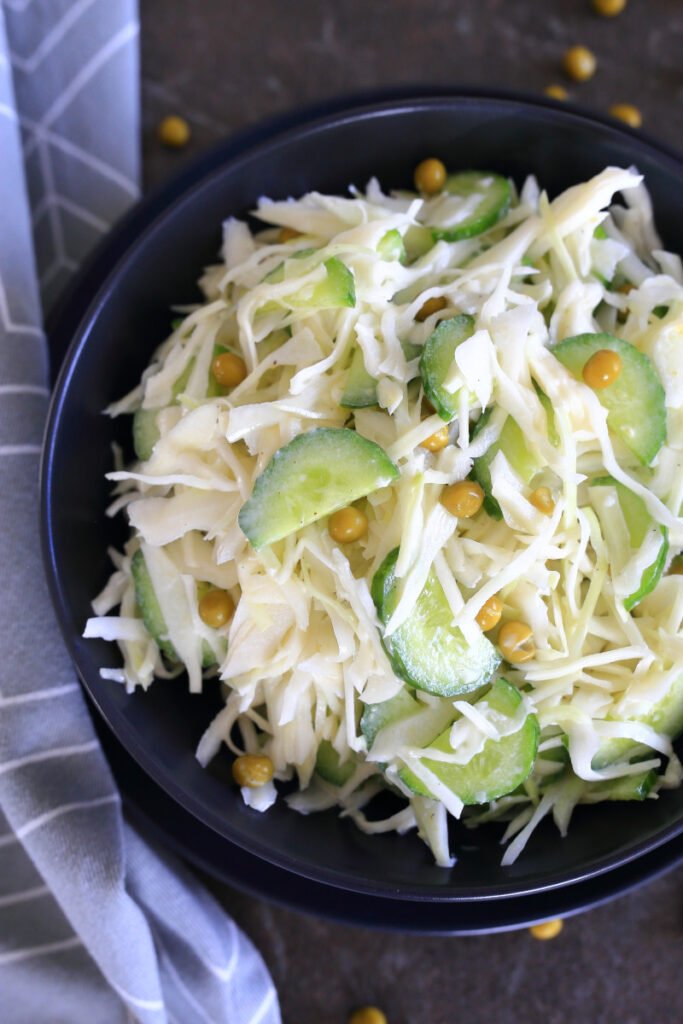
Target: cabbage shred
304 649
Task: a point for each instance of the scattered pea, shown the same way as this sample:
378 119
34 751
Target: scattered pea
436 441
347 525
431 306
228 369
602 369
216 608
174 132
579 63
627 113
252 770
547 929
489 614
430 176
556 92
463 499
542 499
515 642
609 8
368 1015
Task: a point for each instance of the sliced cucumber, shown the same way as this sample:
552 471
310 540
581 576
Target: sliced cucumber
629 787
152 616
665 717
496 196
329 767
553 433
513 446
145 432
499 768
360 389
636 410
418 241
311 477
638 522
427 650
145 429
336 291
376 717
437 359
392 247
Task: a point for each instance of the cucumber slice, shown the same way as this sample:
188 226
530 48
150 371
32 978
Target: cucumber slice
145 429
418 241
427 651
329 767
360 390
496 196
665 717
553 433
392 247
311 477
629 787
638 522
376 717
636 412
145 432
499 768
336 291
437 360
513 446
152 616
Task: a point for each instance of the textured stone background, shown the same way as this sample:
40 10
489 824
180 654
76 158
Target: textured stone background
223 65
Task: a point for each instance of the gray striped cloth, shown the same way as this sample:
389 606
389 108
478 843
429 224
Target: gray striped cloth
95 925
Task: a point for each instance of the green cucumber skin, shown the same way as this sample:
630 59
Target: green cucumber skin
392 247
513 446
492 208
553 433
666 717
437 359
360 390
376 716
306 464
629 787
638 521
497 770
329 767
455 669
152 617
635 402
337 290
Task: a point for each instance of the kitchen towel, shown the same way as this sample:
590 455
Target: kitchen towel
95 924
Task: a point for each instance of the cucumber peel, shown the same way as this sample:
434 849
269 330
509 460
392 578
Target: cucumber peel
496 196
329 767
512 444
437 359
635 401
311 477
500 767
427 650
152 616
638 523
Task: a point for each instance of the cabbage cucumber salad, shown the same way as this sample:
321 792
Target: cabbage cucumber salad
406 492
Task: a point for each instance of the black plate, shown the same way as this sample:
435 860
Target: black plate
165 822
119 311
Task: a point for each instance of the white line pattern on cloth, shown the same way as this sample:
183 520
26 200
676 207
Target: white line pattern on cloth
48 755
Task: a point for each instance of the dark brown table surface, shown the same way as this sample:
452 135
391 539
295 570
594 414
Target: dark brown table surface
223 65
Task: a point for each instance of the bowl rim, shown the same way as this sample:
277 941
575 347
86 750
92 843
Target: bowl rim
71 323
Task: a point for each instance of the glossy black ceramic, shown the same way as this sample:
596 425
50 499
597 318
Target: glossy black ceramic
118 313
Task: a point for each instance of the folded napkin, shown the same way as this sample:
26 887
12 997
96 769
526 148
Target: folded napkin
95 925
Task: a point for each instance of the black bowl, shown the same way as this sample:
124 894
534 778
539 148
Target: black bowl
155 258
